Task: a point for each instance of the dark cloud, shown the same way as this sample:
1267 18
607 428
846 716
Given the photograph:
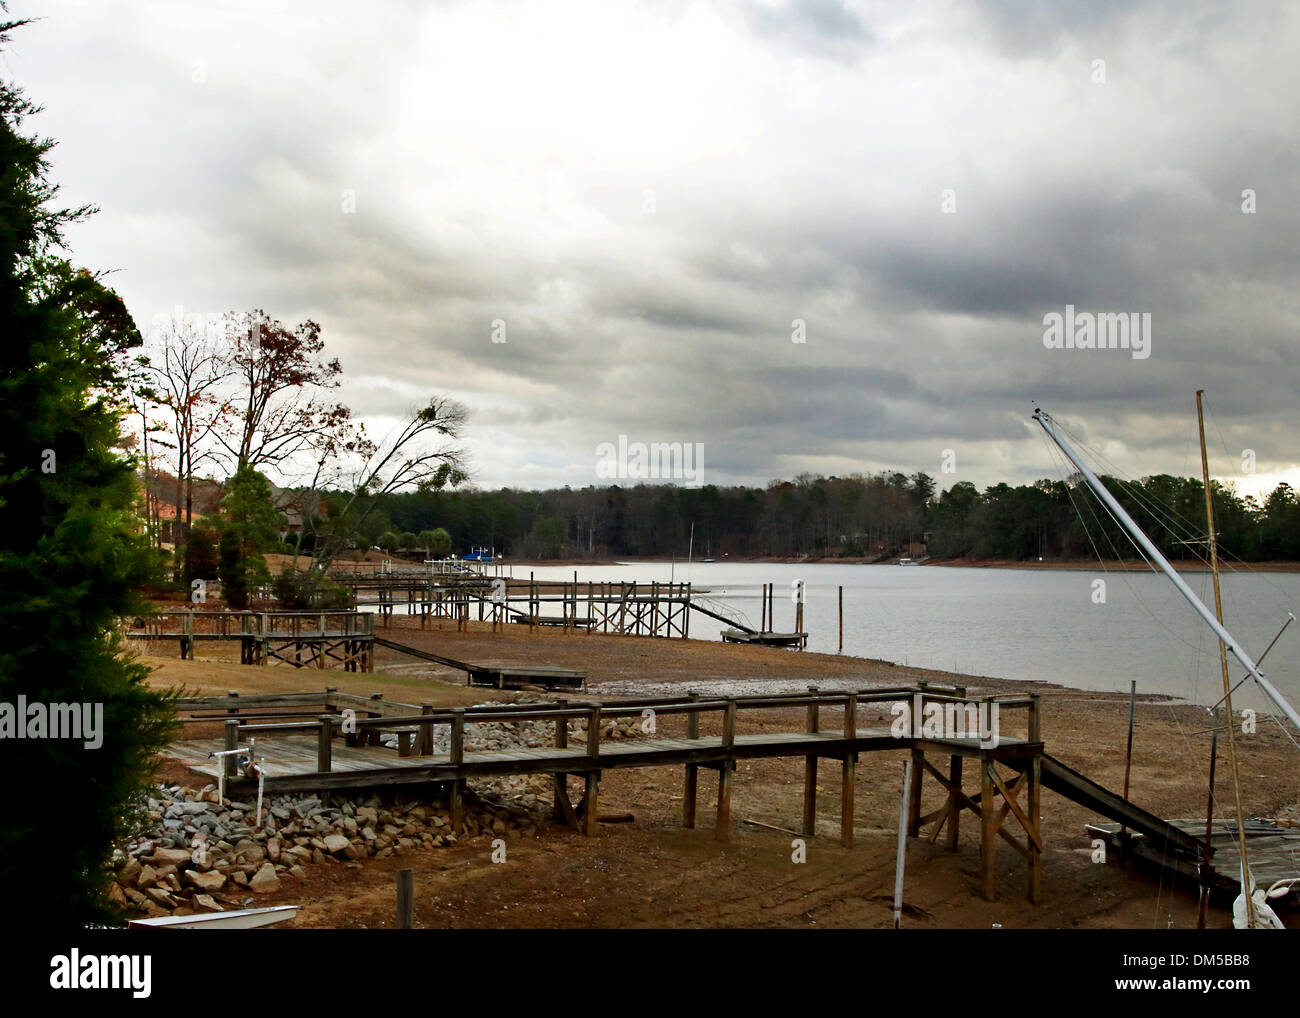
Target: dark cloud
500 156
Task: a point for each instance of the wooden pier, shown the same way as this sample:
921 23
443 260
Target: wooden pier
625 608
301 639
501 674
304 755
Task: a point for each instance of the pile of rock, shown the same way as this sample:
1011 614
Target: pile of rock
208 856
501 735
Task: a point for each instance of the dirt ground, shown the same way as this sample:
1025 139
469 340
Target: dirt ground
653 873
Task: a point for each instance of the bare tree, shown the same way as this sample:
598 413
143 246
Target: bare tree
278 409
187 368
421 453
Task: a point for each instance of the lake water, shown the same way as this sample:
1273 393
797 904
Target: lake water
1008 623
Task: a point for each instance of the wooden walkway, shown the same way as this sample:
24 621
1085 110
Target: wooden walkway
306 755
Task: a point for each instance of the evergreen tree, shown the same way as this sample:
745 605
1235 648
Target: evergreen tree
71 556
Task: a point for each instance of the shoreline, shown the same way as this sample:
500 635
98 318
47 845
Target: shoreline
1109 565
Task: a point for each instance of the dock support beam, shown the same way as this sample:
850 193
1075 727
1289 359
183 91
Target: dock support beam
914 795
810 775
954 800
722 825
561 779
457 758
590 797
989 831
691 791
848 773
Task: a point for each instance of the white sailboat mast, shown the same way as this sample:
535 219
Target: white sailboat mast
1135 531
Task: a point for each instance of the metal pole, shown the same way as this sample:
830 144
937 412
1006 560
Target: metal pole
1128 761
1127 521
1209 829
1246 883
901 858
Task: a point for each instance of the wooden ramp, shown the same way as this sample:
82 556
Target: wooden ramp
1066 781
500 674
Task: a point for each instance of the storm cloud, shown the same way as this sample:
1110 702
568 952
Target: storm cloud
660 200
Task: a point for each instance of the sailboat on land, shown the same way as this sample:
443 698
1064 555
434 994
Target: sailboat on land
1250 910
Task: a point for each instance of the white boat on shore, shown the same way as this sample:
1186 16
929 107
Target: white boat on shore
240 919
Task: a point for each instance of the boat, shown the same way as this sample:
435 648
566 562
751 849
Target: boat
239 919
908 562
1250 910
765 639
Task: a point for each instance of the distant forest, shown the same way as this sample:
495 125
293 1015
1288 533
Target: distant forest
861 516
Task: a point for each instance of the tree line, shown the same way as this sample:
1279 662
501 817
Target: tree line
871 516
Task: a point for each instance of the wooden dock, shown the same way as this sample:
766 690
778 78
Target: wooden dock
305 755
625 608
301 639
500 674
799 640
1273 851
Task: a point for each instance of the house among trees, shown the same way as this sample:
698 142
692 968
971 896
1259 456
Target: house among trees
296 506
167 507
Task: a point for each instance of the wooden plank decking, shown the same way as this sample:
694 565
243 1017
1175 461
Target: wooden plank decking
308 756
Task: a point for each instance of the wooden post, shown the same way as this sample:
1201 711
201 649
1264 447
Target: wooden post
424 743
691 791
325 744
457 759
841 648
232 742
798 611
848 771
989 830
954 803
591 780
405 899
1033 803
562 778
372 734
810 775
914 798
722 825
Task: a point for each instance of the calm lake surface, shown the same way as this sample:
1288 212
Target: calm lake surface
1008 623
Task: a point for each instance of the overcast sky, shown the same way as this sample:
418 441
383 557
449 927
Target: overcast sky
650 195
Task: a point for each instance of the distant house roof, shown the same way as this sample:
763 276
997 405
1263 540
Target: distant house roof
297 504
